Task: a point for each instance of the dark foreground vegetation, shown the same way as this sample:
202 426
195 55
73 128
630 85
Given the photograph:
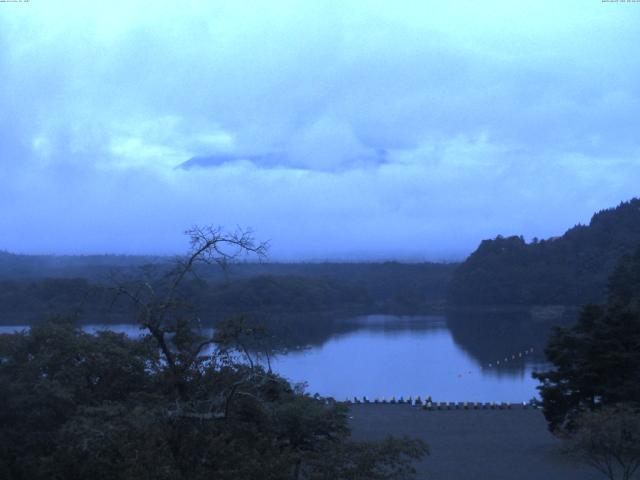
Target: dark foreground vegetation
592 395
598 359
174 404
77 406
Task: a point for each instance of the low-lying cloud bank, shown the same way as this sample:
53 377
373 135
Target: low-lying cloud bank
346 130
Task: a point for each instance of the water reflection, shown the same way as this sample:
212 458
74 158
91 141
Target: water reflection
392 356
465 356
505 341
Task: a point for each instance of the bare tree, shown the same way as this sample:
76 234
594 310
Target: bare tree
156 297
608 439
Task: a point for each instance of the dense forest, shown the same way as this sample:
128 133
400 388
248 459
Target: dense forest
568 270
84 286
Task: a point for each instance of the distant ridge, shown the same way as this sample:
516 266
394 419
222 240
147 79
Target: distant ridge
569 270
273 160
208 161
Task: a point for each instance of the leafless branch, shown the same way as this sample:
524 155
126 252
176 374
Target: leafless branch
157 306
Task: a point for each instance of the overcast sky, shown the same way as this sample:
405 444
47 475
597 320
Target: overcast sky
337 130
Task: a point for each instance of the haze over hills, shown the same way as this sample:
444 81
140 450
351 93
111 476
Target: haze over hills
567 270
570 270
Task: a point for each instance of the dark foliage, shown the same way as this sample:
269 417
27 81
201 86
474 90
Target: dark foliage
174 405
569 270
76 405
607 439
597 361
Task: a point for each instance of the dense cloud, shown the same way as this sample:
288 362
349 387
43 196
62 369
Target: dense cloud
336 129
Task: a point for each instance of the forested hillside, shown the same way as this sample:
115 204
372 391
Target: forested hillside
248 288
570 270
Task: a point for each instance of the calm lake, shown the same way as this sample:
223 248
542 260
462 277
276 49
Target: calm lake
388 355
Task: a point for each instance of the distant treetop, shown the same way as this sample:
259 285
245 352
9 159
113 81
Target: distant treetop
571 269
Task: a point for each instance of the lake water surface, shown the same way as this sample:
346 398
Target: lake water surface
380 356
408 356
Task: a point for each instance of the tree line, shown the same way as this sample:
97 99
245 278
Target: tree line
567 270
247 288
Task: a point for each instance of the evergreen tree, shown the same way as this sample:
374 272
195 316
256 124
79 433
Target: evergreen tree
597 361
